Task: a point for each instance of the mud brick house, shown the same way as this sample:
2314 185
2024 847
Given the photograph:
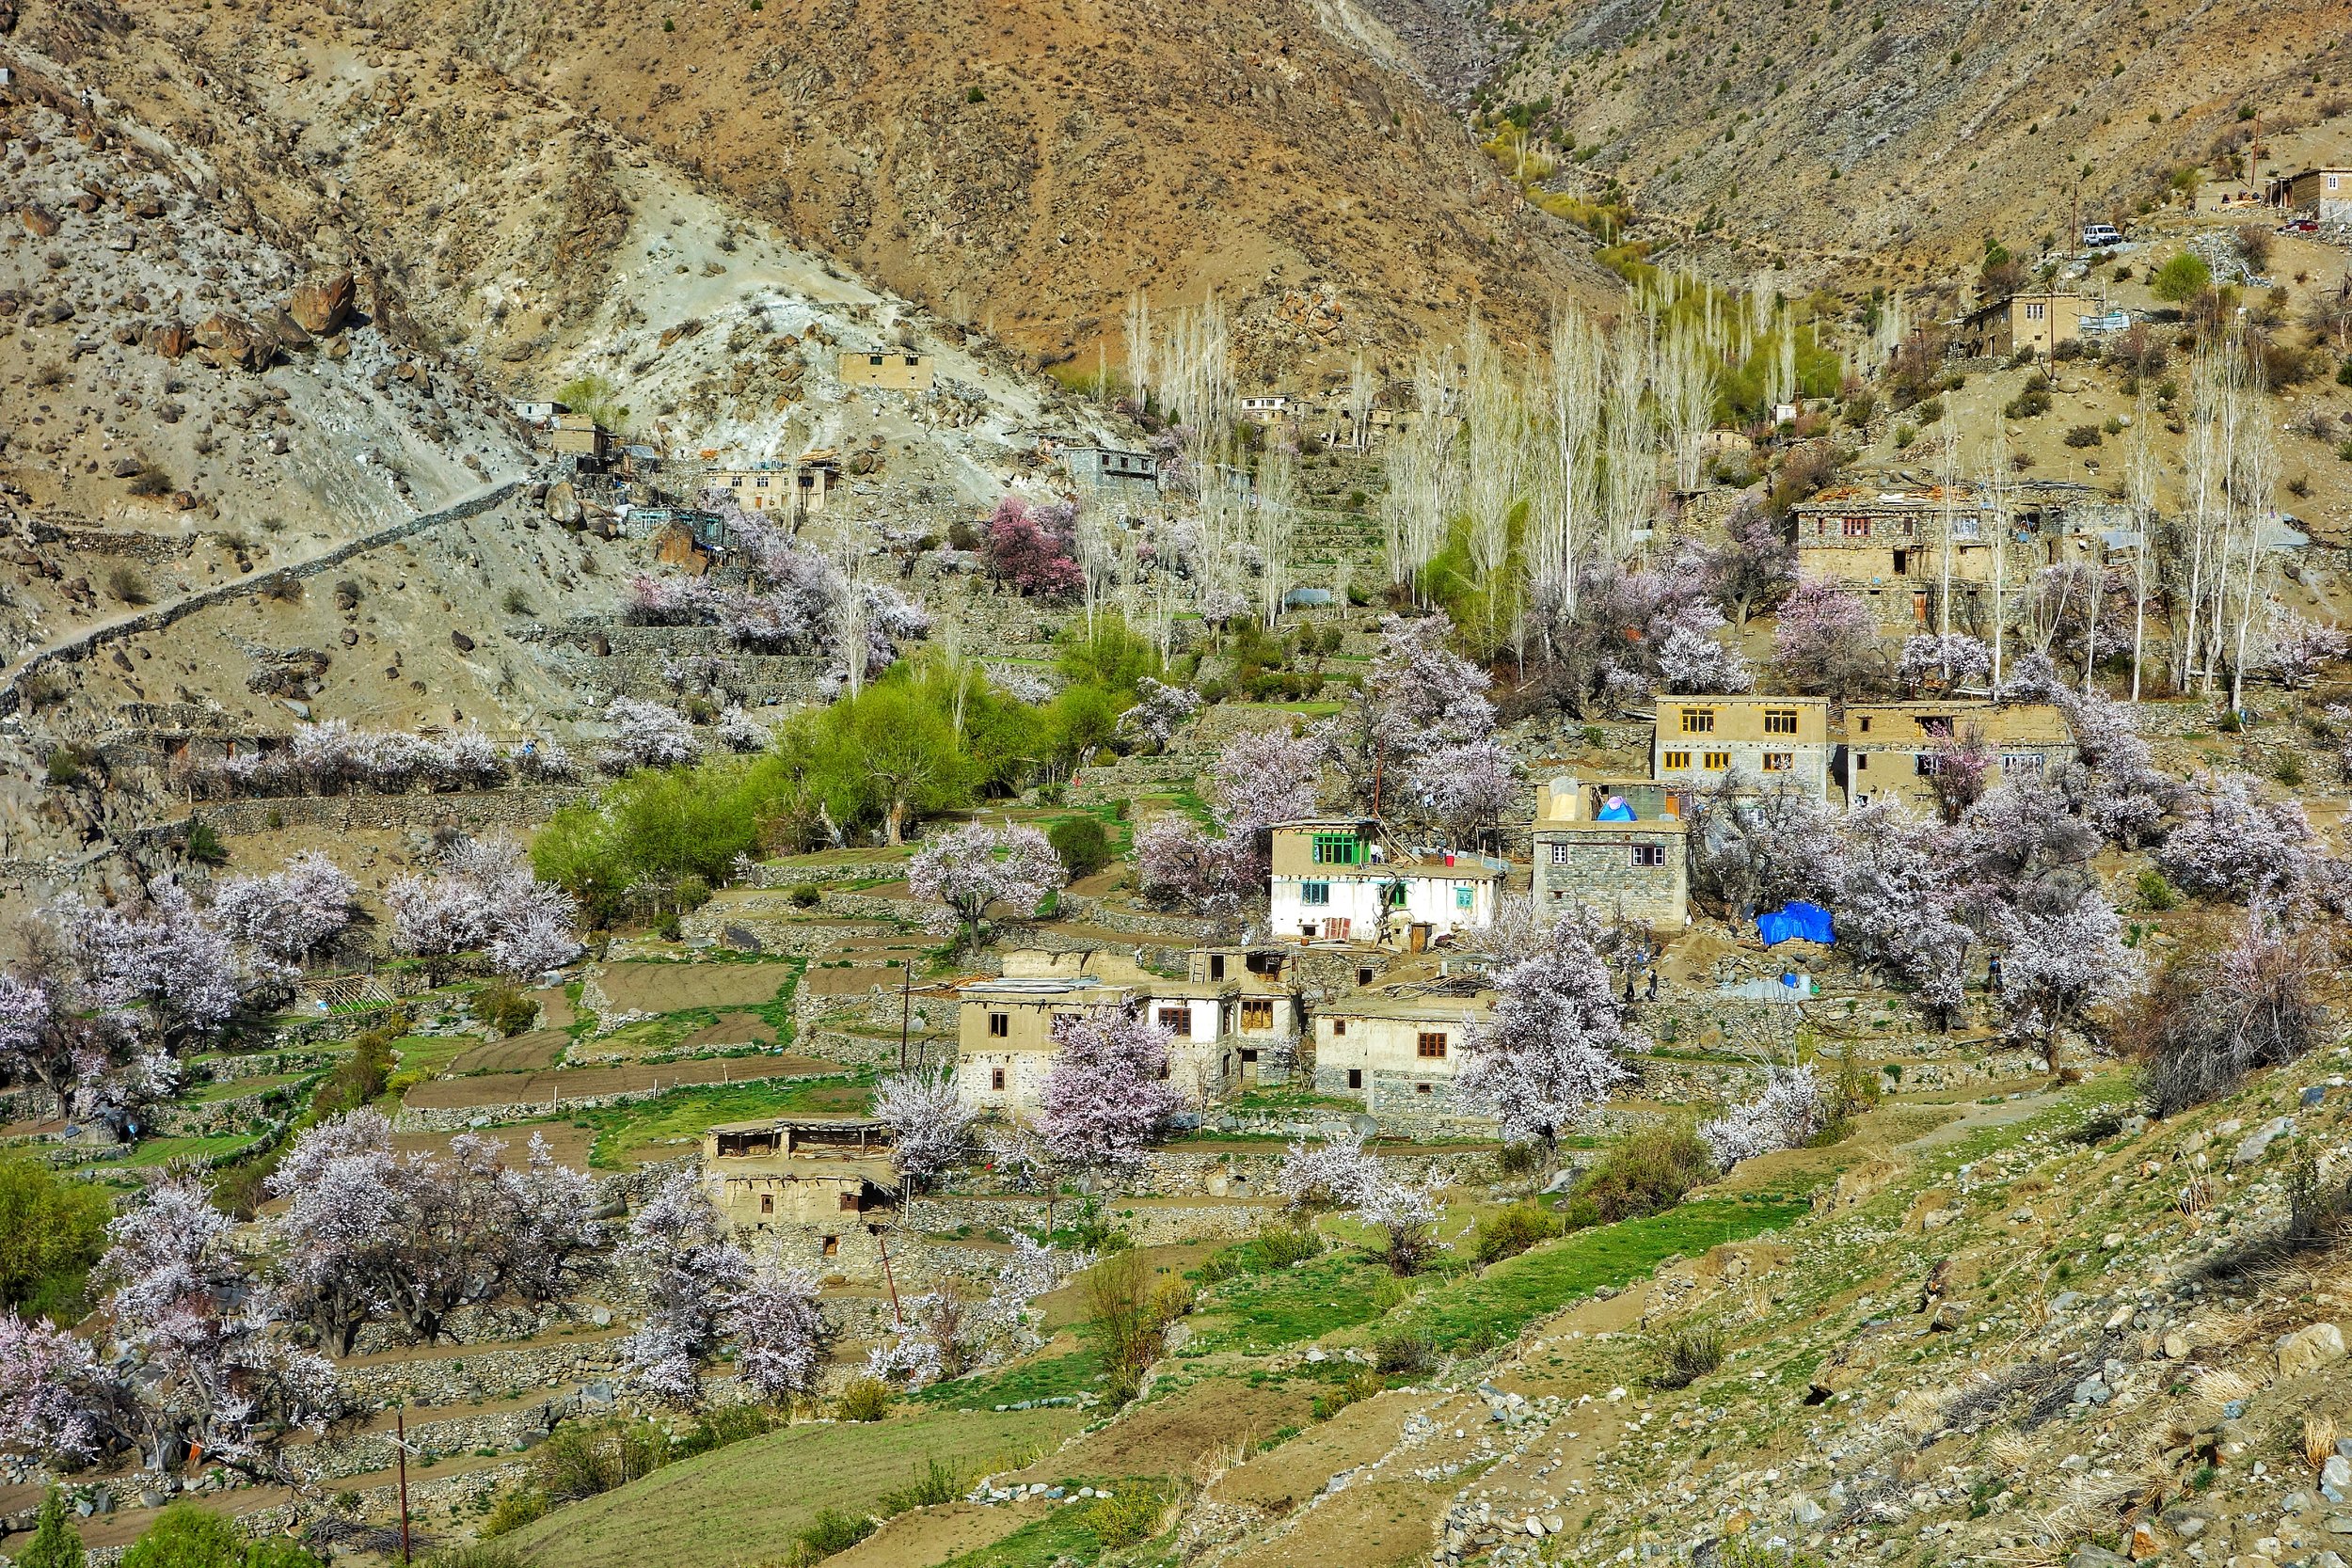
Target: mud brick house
814 1186
1890 748
2323 194
2039 321
1398 1050
1005 1042
1765 741
1596 848
1335 877
1888 545
893 371
800 489
577 435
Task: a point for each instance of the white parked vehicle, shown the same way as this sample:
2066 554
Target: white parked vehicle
2098 236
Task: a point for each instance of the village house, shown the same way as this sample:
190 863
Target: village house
1265 1017
1334 878
577 435
1766 741
1888 545
1596 850
891 370
798 489
2039 321
1890 748
1111 470
815 1188
1265 406
1005 1042
2323 194
1398 1049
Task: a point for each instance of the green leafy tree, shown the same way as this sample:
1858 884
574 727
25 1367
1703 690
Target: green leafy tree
1083 846
51 1233
185 1536
55 1543
1109 654
2182 278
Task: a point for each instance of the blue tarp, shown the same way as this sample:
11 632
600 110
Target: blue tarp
1798 922
1616 811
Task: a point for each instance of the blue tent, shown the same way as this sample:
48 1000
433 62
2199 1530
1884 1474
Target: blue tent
1798 922
1616 811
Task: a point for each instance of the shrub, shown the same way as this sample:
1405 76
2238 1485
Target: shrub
1083 846
128 586
832 1532
805 895
205 846
2290 769
185 1536
51 1234
1362 1384
1513 1232
1284 1244
2208 1021
476 1554
2033 401
936 1483
1686 1355
1131 1316
2083 436
2182 278
1646 1173
505 1008
150 480
55 1543
65 767
516 602
1126 1517
514 1508
1520 1159
1403 1349
866 1398
586 1459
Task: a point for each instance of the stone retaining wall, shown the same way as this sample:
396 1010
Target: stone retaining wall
524 806
368 1453
1153 1227
479 1376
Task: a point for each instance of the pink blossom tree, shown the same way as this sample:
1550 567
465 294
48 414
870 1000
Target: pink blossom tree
2058 963
1755 851
1932 663
1898 904
1417 693
678 1246
963 872
1553 1047
778 1331
1159 710
1466 790
1177 862
1108 1091
1753 567
1030 547
1962 762
288 915
2232 844
1825 641
1263 777
369 1234
931 1125
2295 647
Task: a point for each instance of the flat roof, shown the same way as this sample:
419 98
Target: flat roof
1370 1005
776 1124
1639 824
2039 722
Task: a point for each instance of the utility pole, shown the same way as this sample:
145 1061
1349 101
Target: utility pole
400 1441
881 1245
906 1011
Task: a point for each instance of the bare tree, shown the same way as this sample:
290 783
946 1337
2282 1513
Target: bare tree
1273 517
1360 391
1633 448
1573 421
1138 333
2139 482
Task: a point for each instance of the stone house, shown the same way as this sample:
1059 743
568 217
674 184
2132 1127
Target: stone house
1397 1050
578 436
1334 878
799 489
1767 741
891 370
1889 546
1596 850
2323 194
1890 746
818 1187
1005 1042
1112 471
2041 320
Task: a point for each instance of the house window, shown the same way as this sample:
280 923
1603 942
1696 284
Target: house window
1698 721
1249 1054
1461 895
1336 850
766 1203
833 1247
1355 1078
1861 762
1177 1021
1675 760
1395 892
1718 761
999 1025
1338 1028
1314 893
1363 977
1780 720
910 361
1431 1045
2034 310
1923 763
1779 761
1866 723
873 358
2015 763
1858 528
849 1203
1257 1012
1649 854
1421 1088
1559 854
1903 563
996 1079
1217 966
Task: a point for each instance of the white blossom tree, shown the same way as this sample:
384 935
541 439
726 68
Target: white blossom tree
678 1245
1405 1213
2235 845
931 1125
2056 964
1466 789
647 734
1159 710
287 915
1333 1175
486 897
1553 1047
1108 1091
1785 1113
965 871
778 1331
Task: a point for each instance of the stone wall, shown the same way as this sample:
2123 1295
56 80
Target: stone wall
481 1375
366 1453
1157 1226
525 806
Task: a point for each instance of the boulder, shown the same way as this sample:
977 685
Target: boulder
234 344
2097 1556
459 641
324 304
170 339
39 223
2309 1349
563 503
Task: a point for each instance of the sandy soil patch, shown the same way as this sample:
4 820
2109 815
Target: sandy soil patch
660 988
731 1029
930 1535
524 1053
1170 1435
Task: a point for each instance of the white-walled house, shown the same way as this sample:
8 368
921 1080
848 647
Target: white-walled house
1334 880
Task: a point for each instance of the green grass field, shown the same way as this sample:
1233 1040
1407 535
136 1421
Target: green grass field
743 1504
158 1151
1047 1377
238 1089
683 1114
1261 1313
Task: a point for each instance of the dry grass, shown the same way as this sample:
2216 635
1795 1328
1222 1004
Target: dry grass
2013 1452
2221 1387
2319 1440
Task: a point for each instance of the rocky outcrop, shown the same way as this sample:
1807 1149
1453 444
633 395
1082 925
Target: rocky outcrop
322 307
231 342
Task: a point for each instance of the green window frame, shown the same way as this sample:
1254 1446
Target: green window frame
1314 893
1337 849
1394 894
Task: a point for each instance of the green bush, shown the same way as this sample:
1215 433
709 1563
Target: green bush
1362 1384
476 1554
65 767
866 1398
185 1536
2182 278
1647 1173
1513 1232
1083 846
1126 1517
55 1543
936 1483
2154 892
205 846
1685 1356
513 1508
505 1008
832 1532
586 1459
51 1234
2290 769
1288 1242
2084 436
1403 1349
805 895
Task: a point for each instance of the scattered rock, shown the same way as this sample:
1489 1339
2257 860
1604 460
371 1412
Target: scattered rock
39 222
233 342
2309 1349
2257 1143
2097 1556
563 503
323 306
459 641
170 339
